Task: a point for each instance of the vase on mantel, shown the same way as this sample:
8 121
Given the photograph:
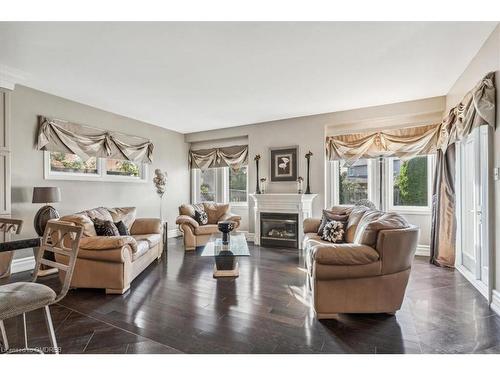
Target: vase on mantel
257 187
308 158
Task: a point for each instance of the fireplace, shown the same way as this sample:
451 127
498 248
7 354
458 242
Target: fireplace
279 229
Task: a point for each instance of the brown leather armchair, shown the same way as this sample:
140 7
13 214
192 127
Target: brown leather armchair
196 234
355 277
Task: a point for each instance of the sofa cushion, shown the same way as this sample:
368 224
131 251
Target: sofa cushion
98 213
83 221
215 211
329 215
344 254
152 239
107 243
189 209
339 272
142 248
122 228
125 214
201 217
373 222
355 216
206 229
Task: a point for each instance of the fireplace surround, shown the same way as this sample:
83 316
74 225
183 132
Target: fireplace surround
299 205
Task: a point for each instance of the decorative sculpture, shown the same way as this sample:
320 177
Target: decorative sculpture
257 158
308 157
160 182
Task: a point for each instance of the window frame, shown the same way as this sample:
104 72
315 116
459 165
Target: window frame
100 176
221 186
389 191
334 181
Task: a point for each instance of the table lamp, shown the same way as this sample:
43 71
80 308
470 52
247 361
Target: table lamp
45 195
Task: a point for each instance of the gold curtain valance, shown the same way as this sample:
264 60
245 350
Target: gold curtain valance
84 141
402 143
476 109
234 157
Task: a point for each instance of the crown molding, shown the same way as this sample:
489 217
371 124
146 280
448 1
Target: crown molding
9 77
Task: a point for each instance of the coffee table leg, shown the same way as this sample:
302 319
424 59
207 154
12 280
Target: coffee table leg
235 272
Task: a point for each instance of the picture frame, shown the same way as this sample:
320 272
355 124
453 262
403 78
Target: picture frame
284 163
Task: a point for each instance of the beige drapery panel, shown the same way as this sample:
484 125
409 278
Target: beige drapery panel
477 108
234 157
84 141
402 143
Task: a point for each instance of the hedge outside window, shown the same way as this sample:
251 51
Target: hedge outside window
238 185
62 166
222 185
353 182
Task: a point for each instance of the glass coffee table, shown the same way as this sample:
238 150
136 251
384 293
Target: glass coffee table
226 263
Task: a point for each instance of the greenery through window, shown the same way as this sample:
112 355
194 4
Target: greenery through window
353 182
238 185
69 163
208 185
410 182
122 168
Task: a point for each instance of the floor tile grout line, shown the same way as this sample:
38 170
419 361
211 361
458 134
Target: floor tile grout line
88 342
117 327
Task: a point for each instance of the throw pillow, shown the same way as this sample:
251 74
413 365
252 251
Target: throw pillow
215 211
105 228
201 217
329 215
334 231
122 228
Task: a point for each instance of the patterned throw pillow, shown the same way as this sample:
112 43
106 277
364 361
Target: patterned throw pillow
105 228
334 231
333 214
201 217
122 228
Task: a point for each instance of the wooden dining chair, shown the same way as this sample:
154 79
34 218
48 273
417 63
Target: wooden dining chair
8 227
22 297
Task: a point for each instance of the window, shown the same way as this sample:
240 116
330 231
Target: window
353 182
69 163
62 166
207 185
409 183
220 185
391 183
238 185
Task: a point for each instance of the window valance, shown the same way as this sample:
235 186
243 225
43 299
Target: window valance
234 157
84 141
476 109
402 143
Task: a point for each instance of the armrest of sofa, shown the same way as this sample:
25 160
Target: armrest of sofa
397 248
311 225
184 219
231 217
146 226
97 243
118 255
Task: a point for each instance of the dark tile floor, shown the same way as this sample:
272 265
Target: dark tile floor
176 306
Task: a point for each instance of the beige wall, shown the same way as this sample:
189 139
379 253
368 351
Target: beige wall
170 154
309 133
486 60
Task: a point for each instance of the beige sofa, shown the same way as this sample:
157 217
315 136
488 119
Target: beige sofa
196 234
111 263
368 273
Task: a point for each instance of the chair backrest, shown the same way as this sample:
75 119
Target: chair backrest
64 239
10 225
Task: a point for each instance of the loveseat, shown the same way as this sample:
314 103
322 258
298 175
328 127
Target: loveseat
369 271
197 234
112 262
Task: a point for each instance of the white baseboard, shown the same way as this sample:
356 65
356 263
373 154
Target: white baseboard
22 264
495 301
174 233
423 250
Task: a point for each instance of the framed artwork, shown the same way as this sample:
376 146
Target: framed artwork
284 164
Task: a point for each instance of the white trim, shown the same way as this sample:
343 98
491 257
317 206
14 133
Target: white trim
476 283
171 233
100 176
495 301
9 77
423 250
23 264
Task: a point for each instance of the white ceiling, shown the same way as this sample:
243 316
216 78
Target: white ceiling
198 76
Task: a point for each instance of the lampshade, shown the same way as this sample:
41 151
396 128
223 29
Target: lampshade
46 194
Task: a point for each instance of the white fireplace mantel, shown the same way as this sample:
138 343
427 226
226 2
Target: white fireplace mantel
300 204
